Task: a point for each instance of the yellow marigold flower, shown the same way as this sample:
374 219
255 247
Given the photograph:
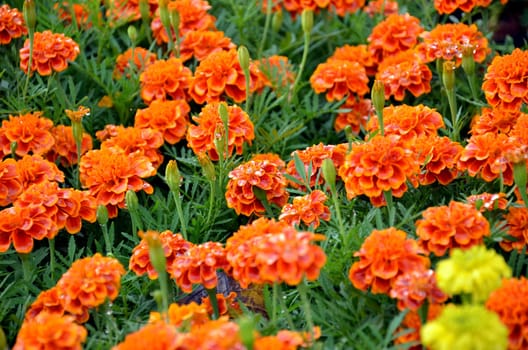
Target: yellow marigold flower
465 327
476 271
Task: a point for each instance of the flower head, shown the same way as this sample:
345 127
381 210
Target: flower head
517 226
184 316
88 283
439 158
308 209
356 53
356 113
80 11
262 175
413 288
495 120
202 137
267 251
510 302
274 72
388 7
64 150
339 79
133 60
10 185
12 24
50 331
153 336
476 271
465 327
48 301
450 6
488 201
35 169
165 79
506 80
30 131
51 53
201 43
343 7
123 11
384 256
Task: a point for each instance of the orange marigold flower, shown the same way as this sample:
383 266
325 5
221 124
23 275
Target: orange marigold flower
48 301
484 156
50 331
193 16
356 113
30 131
448 41
383 257
517 227
164 79
394 34
450 6
201 43
51 52
220 334
510 302
127 10
65 149
339 79
506 81
414 287
198 266
109 173
133 140
35 169
88 283
73 207
312 157
226 303
133 60
388 7
293 7
219 73
10 184
188 315
439 159
412 324
343 7
287 340
403 72
263 175
273 252
488 201
458 225
11 24
409 122
518 131
357 53
308 209
495 120
210 129
168 117
274 72
153 336
80 11
173 245
383 163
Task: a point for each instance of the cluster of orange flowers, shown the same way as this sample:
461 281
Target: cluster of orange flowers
12 24
450 6
339 7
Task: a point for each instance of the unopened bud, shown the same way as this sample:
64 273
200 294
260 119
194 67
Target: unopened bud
132 33
3 341
164 15
243 58
13 147
131 201
174 15
207 166
247 327
329 173
30 14
377 96
468 60
156 252
448 75
224 114
276 21
173 176
307 21
144 10
102 214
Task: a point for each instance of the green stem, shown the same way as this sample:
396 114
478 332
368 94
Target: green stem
179 211
284 308
303 293
266 28
339 217
390 206
453 110
26 266
106 237
303 61
30 62
52 257
164 288
274 304
214 302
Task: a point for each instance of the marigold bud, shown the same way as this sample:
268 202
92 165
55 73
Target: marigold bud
307 21
207 166
156 252
276 21
102 214
30 14
144 10
174 19
448 75
164 15
13 147
173 176
243 58
378 95
131 200
329 173
468 59
132 33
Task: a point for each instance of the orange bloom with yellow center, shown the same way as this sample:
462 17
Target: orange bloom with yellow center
267 252
10 185
510 302
339 79
409 122
12 24
134 140
171 118
88 283
439 159
65 149
193 16
403 72
384 256
495 121
357 112
48 301
394 34
484 155
50 331
412 324
450 6
357 53
448 42
312 158
381 164
412 289
517 227
165 79
198 266
201 43
30 131
388 7
506 81
264 176
488 201
274 72
109 173
173 245
458 225
210 130
308 209
220 73
133 60
35 169
51 53
343 7
154 336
